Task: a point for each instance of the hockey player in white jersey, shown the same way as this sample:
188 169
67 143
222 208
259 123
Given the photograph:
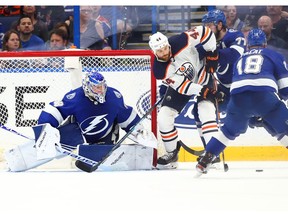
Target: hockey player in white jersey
98 112
184 62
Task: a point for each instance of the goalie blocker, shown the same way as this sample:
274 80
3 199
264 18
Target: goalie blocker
41 150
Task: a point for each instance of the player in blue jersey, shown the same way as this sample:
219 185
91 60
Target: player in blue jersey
231 45
90 114
183 62
259 80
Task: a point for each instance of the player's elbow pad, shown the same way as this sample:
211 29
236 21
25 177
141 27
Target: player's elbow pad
201 51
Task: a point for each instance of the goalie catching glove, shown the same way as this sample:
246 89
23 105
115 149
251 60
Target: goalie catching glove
143 137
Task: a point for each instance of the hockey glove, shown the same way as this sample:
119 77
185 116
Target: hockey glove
211 95
143 137
211 61
162 89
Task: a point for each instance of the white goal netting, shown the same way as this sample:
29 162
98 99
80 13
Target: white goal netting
31 80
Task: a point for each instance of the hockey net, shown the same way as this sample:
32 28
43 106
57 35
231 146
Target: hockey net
30 80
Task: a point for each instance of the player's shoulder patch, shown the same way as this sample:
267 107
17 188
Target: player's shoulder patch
58 103
71 95
117 94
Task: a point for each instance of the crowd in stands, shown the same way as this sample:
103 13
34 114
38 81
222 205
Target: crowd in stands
51 28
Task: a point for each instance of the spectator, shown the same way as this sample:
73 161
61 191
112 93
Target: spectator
245 30
127 19
65 27
250 14
10 10
70 22
91 31
104 22
40 28
11 41
58 40
28 40
233 22
51 15
280 24
265 24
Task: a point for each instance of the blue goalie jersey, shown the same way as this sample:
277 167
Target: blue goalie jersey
96 120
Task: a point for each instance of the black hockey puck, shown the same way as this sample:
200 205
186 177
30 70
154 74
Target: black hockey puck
259 170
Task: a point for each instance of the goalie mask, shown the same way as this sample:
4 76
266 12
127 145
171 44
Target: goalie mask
95 87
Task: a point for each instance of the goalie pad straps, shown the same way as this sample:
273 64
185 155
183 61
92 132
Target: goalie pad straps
46 137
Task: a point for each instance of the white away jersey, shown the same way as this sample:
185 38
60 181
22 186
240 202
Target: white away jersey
185 59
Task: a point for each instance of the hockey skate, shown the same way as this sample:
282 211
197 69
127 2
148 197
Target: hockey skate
216 160
169 160
205 162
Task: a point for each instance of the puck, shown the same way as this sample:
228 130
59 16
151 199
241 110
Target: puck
259 170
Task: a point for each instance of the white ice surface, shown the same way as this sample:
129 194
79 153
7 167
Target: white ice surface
239 191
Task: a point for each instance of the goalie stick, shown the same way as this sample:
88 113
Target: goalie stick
15 132
86 168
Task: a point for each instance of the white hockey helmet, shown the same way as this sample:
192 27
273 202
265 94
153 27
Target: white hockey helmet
158 41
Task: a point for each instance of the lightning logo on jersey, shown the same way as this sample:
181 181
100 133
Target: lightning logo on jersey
96 122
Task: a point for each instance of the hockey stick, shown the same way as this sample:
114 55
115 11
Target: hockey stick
76 156
225 165
15 132
190 150
84 167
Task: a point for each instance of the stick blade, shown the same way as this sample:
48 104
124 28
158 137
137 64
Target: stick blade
85 167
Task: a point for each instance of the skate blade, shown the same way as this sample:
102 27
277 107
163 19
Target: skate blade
198 174
200 171
173 165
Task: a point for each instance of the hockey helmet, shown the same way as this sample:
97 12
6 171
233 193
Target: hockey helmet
94 86
158 41
256 37
214 16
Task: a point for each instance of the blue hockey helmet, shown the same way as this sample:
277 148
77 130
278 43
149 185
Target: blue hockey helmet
94 86
214 16
256 37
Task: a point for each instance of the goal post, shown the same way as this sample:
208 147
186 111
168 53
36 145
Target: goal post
30 80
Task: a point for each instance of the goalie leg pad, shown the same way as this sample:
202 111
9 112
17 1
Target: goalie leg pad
94 152
129 157
23 157
124 158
